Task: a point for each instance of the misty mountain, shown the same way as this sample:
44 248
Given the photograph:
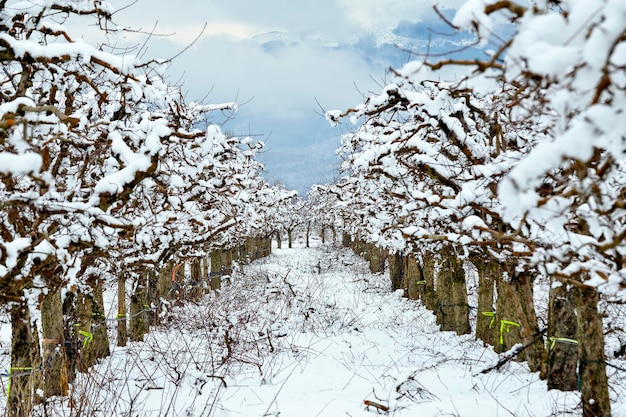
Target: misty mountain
430 37
300 167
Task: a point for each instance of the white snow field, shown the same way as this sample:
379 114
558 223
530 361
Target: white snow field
307 332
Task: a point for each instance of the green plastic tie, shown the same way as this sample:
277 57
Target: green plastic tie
553 341
491 314
579 379
505 326
88 337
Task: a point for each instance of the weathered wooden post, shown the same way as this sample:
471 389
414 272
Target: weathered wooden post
122 334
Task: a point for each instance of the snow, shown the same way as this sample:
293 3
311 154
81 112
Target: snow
115 182
13 250
20 164
312 332
474 10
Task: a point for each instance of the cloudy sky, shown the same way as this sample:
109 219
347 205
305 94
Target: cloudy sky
276 58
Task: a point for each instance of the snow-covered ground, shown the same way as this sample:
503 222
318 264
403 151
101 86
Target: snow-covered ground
307 332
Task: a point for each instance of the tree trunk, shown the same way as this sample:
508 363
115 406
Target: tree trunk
516 317
72 311
361 248
376 260
592 365
308 232
165 280
196 279
177 280
206 273
279 240
413 279
289 239
561 354
100 343
265 246
229 258
89 340
205 269
153 297
138 310
452 306
323 234
253 249
122 335
25 370
55 375
82 336
217 268
249 248
268 246
346 240
217 261
256 248
428 272
396 271
486 321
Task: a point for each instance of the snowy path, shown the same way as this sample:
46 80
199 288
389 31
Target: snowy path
359 342
308 332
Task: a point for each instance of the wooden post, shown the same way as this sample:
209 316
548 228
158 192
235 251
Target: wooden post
452 307
396 271
196 279
23 386
153 296
592 360
122 335
376 260
308 232
217 267
413 279
138 326
346 240
100 343
82 356
561 354
165 280
279 240
428 272
55 375
515 305
268 245
487 323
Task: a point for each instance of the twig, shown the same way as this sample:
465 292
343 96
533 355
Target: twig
376 405
278 392
513 354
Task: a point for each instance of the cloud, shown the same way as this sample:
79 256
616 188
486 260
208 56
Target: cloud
280 55
186 34
278 58
283 83
385 15
239 18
